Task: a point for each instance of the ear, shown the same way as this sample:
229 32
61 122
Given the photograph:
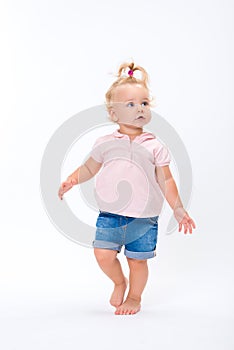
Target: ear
113 116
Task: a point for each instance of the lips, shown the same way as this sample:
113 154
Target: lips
140 117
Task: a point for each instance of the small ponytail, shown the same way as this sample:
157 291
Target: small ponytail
131 69
127 75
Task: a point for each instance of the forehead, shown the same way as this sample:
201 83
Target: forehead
130 92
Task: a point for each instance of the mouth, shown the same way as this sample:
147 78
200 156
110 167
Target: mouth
140 117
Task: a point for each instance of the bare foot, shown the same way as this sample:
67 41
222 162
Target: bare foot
118 293
129 307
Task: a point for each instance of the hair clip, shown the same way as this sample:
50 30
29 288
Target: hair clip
130 72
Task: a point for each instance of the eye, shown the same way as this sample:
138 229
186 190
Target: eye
145 103
130 104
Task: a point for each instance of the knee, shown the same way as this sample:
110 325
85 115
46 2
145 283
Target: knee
104 256
136 262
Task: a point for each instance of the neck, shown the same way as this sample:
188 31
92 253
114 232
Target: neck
129 130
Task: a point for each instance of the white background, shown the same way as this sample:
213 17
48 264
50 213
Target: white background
56 57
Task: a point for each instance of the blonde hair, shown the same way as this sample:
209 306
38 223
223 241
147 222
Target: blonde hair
128 78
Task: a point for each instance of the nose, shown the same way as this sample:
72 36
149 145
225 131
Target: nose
139 107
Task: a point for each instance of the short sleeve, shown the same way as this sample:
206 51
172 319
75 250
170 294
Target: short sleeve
161 156
96 152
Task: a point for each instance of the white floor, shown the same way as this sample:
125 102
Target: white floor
179 319
54 296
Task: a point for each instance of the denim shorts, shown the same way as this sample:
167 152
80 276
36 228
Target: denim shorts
138 235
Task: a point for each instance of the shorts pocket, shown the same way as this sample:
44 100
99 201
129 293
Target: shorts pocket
153 220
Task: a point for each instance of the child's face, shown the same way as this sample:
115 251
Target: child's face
131 105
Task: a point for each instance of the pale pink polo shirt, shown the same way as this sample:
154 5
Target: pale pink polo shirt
126 184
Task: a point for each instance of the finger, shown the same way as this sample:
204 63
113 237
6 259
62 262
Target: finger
180 227
60 194
193 224
190 228
185 228
66 184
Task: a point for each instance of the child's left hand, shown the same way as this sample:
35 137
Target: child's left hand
184 220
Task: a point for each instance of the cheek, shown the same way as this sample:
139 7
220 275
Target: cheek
148 113
127 113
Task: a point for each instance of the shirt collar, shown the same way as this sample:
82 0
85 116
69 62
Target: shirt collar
142 137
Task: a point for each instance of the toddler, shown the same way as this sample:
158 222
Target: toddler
133 178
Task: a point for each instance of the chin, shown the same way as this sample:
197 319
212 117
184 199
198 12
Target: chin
142 122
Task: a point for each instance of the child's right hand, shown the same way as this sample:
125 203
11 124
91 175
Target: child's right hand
66 186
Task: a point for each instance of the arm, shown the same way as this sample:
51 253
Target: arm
170 191
85 172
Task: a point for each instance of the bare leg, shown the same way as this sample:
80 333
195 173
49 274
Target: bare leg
110 265
137 281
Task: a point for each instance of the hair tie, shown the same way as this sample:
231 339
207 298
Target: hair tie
130 72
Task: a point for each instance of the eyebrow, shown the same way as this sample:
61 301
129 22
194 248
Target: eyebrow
132 99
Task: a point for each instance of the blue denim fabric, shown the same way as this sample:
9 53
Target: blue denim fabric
138 235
